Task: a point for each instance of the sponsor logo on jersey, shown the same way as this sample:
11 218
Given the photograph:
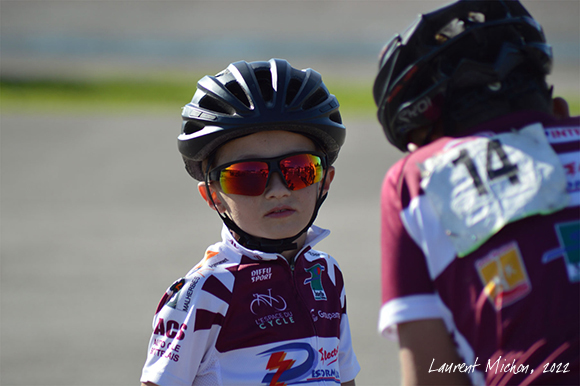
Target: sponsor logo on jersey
299 363
274 320
504 276
289 363
203 266
173 299
328 357
171 292
263 303
570 162
569 237
330 375
315 281
189 293
223 261
162 347
171 329
563 134
324 315
261 274
314 254
276 302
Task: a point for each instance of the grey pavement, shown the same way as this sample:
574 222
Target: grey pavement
99 217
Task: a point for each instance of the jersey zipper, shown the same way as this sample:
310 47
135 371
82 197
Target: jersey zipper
295 287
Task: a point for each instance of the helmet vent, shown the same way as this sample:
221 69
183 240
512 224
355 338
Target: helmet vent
238 92
192 126
265 82
335 117
215 105
317 98
293 88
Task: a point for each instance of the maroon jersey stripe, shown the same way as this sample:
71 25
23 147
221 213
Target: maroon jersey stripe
204 319
216 288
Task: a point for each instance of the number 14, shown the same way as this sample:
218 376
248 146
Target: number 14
507 170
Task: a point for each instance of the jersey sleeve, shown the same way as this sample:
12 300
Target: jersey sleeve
177 347
407 288
348 363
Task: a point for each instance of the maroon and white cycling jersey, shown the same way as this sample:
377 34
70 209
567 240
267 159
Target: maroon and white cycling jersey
243 317
483 232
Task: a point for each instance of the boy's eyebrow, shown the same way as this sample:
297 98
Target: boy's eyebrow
241 158
250 156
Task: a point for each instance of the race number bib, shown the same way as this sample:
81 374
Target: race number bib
480 185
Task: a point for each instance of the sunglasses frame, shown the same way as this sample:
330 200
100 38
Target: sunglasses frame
273 167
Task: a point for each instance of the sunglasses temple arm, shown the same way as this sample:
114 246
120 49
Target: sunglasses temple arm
207 189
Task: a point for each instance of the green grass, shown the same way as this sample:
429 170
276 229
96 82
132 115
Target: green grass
113 95
151 95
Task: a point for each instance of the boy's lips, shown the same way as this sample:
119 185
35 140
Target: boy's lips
280 211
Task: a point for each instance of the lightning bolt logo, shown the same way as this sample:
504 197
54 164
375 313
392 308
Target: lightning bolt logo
286 371
277 362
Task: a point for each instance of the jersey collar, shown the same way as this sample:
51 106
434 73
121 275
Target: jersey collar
313 236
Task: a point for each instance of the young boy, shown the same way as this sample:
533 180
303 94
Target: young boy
262 307
480 223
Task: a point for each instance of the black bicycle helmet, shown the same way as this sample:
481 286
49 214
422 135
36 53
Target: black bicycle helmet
468 45
249 97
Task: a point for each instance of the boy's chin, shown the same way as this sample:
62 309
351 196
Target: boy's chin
281 234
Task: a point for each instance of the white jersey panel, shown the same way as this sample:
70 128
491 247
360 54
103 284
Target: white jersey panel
424 227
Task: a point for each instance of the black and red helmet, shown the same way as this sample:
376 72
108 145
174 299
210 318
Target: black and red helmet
464 45
249 97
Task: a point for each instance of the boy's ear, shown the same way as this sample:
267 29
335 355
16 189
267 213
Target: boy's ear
560 108
329 177
203 192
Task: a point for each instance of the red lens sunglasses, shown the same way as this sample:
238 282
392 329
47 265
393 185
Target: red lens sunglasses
250 177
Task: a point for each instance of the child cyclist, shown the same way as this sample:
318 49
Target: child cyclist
480 222
262 307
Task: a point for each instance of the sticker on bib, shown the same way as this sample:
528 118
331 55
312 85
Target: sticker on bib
484 183
504 276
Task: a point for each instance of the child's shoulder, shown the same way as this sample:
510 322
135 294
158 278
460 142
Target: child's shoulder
215 260
213 268
314 254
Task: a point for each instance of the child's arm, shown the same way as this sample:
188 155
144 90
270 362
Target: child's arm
426 343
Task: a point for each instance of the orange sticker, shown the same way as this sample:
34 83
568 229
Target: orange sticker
504 276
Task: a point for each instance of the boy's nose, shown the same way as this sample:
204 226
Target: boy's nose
276 186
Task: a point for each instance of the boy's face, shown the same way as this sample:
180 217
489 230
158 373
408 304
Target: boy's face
278 212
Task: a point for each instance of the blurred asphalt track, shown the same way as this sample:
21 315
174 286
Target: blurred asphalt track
98 216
